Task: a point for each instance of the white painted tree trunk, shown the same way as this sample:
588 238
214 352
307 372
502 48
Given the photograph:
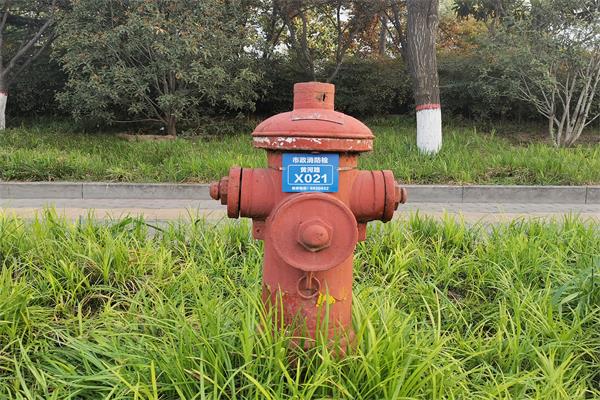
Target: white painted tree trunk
3 99
429 130
422 62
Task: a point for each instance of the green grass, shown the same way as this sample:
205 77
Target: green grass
442 310
48 151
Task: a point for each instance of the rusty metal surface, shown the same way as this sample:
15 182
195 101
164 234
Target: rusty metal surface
309 143
318 95
392 196
310 237
259 192
313 124
312 231
368 196
324 123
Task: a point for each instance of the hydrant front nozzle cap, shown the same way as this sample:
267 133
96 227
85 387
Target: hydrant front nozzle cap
315 237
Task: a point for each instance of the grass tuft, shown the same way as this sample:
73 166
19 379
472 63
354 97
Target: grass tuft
442 310
56 151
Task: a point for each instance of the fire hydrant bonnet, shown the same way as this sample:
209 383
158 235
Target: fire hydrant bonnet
313 123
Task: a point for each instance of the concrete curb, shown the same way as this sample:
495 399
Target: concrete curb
416 193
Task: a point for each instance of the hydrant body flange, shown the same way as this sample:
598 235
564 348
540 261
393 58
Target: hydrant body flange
310 206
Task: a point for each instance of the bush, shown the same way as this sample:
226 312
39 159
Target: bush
472 87
278 85
373 87
172 63
33 93
364 87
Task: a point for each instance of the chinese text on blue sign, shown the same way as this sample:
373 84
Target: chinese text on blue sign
304 172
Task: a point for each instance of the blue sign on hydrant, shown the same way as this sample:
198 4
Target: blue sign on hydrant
305 172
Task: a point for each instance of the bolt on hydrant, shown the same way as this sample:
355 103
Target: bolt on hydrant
311 207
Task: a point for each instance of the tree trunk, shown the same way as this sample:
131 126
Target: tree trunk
382 35
171 125
422 63
551 129
3 99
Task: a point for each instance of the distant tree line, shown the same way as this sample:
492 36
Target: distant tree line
174 64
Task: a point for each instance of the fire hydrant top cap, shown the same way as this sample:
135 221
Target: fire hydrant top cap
313 124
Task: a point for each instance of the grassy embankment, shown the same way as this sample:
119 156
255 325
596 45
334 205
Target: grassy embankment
441 310
56 151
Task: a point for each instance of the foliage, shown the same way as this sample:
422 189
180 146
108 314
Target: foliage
372 87
280 75
364 86
116 53
26 32
441 310
161 61
457 35
473 87
51 151
553 57
34 92
465 84
315 33
491 12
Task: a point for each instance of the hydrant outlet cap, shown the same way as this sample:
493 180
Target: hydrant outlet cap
315 236
214 191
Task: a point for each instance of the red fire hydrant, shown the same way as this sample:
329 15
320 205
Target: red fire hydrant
310 206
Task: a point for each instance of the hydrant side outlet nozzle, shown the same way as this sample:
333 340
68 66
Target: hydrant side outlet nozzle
214 191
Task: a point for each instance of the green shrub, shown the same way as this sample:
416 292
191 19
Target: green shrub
33 93
469 86
373 87
278 85
363 86
473 88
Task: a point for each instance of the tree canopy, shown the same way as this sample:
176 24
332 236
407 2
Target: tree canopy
175 64
155 60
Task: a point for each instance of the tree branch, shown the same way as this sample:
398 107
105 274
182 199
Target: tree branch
2 24
31 59
29 44
4 18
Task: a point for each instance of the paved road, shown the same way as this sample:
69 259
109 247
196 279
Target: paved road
181 209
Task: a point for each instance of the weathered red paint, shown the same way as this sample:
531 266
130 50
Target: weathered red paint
310 237
428 106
